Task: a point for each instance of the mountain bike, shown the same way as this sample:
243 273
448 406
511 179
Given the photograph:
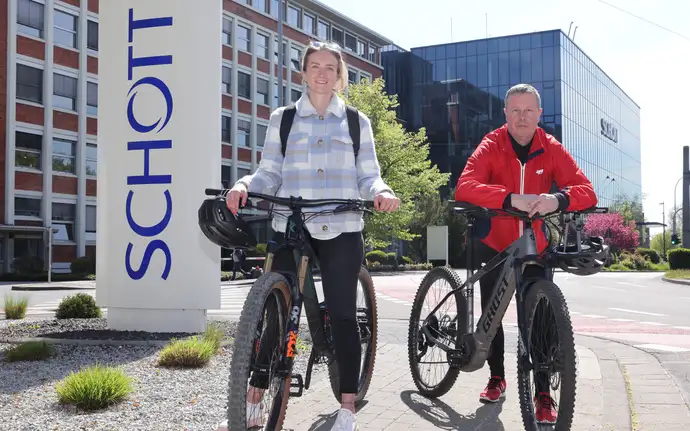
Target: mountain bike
529 275
283 294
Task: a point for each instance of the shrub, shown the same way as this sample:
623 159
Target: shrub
407 260
83 265
679 258
377 256
79 306
29 351
95 387
214 334
15 308
28 264
192 352
649 254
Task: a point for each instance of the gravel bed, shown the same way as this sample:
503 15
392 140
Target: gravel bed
163 398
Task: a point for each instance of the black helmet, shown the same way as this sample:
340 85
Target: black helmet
587 259
223 228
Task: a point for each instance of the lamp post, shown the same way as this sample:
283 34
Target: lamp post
675 188
663 222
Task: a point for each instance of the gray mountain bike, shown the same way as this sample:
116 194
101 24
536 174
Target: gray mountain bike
546 346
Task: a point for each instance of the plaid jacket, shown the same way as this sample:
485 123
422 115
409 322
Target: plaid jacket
319 163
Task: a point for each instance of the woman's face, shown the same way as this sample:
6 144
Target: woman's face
321 72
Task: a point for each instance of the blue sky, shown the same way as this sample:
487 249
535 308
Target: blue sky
648 63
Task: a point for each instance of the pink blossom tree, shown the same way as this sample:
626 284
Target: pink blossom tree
613 229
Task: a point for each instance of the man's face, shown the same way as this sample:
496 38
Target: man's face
522 115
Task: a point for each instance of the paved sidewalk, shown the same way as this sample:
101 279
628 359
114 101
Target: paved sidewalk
602 401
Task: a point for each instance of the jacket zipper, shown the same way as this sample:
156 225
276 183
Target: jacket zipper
522 191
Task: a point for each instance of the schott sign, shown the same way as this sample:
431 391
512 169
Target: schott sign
609 130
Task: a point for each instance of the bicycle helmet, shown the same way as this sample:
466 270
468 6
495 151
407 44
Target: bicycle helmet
222 227
587 259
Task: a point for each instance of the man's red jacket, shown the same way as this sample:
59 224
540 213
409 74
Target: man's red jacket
493 172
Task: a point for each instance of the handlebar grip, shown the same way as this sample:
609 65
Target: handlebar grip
213 192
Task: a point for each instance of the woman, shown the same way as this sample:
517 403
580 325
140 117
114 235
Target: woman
319 163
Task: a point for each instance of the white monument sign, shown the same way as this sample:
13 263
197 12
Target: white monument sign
437 243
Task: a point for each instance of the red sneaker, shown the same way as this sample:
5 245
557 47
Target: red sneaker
494 391
545 410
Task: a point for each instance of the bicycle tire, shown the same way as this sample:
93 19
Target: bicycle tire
447 274
367 370
243 349
549 290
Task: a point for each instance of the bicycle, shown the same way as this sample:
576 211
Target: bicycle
466 348
285 293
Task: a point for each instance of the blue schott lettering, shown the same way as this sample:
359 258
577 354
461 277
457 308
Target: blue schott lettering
147 146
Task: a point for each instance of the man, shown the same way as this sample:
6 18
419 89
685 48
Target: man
516 166
238 258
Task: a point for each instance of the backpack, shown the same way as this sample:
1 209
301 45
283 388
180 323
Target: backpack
352 123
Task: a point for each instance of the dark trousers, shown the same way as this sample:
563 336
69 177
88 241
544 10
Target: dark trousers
340 260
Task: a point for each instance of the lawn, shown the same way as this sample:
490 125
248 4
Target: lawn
678 273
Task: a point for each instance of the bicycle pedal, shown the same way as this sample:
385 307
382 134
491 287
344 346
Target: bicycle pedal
299 384
456 357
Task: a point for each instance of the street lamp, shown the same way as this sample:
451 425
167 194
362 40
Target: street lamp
663 221
675 188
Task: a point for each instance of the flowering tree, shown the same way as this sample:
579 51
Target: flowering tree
613 229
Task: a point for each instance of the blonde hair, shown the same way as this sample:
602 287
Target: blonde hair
334 49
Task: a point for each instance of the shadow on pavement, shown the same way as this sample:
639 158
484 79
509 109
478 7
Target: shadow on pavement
325 421
442 416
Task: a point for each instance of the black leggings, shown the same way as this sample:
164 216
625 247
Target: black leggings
340 260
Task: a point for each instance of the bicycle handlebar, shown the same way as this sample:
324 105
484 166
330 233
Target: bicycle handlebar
299 202
466 207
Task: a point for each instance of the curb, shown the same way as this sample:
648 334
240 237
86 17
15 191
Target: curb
676 281
44 288
91 342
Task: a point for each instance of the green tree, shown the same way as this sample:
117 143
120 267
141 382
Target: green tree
404 160
657 243
629 207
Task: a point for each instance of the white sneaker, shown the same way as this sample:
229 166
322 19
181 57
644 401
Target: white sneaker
346 421
254 417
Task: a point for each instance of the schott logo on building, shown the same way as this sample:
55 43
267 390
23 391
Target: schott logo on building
609 130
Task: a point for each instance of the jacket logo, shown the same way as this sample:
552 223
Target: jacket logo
540 171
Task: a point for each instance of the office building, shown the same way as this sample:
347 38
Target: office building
49 107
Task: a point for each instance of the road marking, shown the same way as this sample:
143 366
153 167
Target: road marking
593 316
621 320
615 289
653 323
627 283
575 313
662 348
625 310
687 328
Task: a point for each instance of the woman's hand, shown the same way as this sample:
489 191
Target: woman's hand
386 202
237 194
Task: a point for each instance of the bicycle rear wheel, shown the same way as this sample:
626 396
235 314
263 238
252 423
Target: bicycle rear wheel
367 318
268 298
442 328
552 355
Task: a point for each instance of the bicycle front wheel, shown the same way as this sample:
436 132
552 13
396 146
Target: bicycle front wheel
551 382
260 343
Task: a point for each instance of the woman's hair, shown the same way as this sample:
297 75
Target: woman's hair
334 49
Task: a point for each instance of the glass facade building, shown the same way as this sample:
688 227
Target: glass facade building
456 92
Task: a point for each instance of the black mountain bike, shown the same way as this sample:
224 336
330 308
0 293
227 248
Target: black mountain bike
278 297
546 343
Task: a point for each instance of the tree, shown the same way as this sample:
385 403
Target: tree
629 208
657 243
404 160
614 230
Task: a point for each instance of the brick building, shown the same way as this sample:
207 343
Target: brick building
49 107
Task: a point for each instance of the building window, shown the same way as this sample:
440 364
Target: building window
261 91
225 175
361 49
247 2
27 207
91 218
64 92
63 221
261 134
293 15
244 87
295 95
30 18
261 6
275 95
92 35
65 29
372 54
322 31
244 38
29 83
295 58
274 8
63 155
28 150
243 132
350 42
225 126
308 23
226 80
275 53
28 247
242 172
91 160
227 32
352 76
362 77
262 45
337 36
92 98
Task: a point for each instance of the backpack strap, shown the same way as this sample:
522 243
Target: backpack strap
353 125
286 125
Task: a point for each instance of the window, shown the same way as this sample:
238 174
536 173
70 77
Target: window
261 134
243 132
262 45
225 175
308 23
63 155
91 160
29 83
293 16
227 32
92 35
337 36
295 95
350 42
64 92
226 80
275 95
361 49
30 18
27 207
372 54
322 31
225 126
90 221
28 247
261 91
241 172
275 53
28 150
295 57
92 98
244 38
352 76
362 77
274 8
63 221
261 5
244 87
65 29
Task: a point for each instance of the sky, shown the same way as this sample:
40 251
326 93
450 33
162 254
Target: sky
647 62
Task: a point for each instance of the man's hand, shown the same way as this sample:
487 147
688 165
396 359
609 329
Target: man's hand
386 202
237 194
522 202
543 204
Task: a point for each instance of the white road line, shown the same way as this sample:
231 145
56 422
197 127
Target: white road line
647 313
621 320
593 316
575 313
687 328
653 323
627 283
662 348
